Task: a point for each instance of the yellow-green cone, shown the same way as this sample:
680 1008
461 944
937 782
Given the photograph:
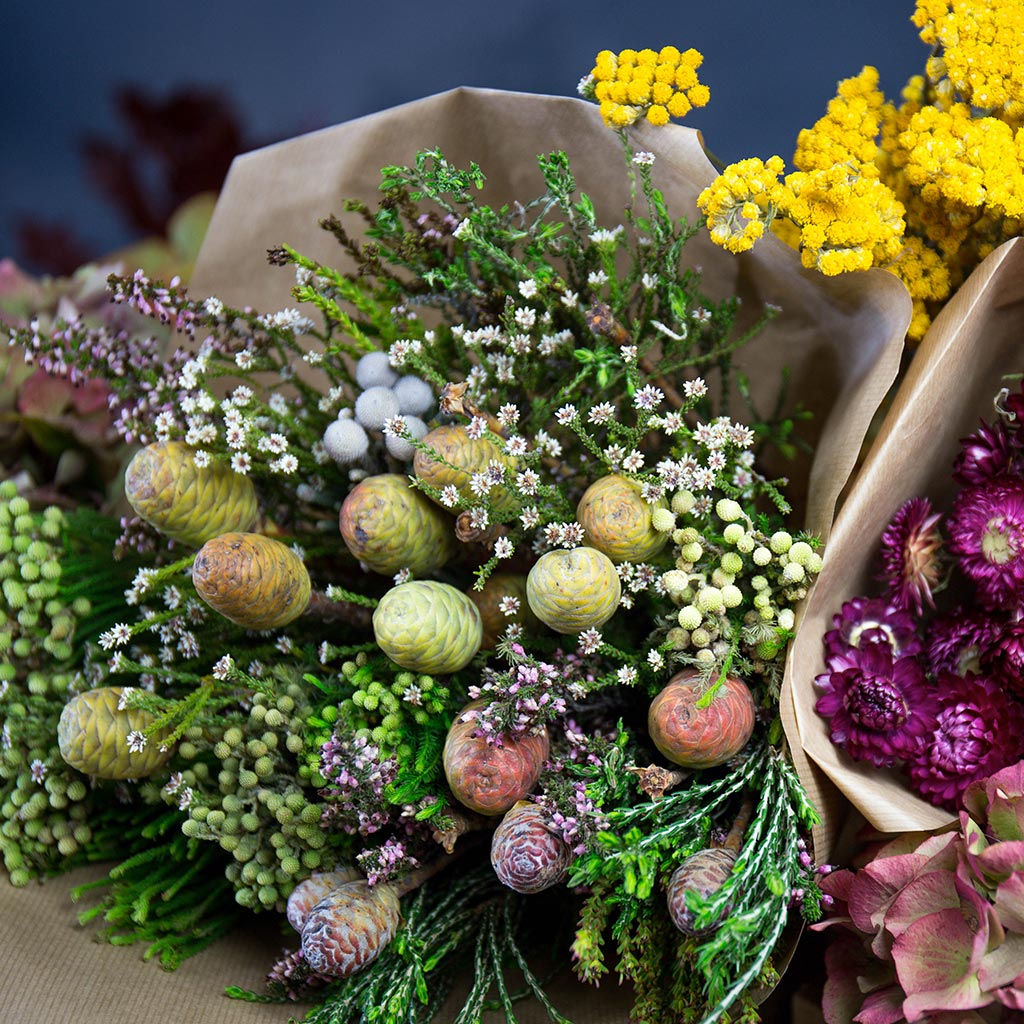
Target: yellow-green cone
571 591
184 501
93 737
389 526
254 581
428 627
618 520
463 456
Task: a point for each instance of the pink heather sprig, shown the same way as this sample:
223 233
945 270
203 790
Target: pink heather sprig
386 862
357 778
575 820
529 694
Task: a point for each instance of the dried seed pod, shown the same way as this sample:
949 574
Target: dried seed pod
701 737
427 626
462 456
704 873
184 501
348 928
254 581
618 520
527 854
501 585
487 778
93 737
389 526
573 590
307 894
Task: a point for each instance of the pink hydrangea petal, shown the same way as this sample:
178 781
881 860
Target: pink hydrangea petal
1002 965
925 895
1009 901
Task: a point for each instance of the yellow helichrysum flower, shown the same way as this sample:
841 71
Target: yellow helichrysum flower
847 221
982 43
741 202
657 85
954 158
848 132
926 277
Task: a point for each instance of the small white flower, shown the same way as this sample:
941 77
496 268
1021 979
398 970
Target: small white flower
224 667
449 496
116 636
201 458
530 516
649 282
601 413
122 700
590 641
213 306
643 158
656 660
695 388
403 576
525 317
648 397
503 548
528 288
185 798
597 278
508 605
286 464
244 359
38 770
628 353
136 741
241 463
570 300
633 462
508 415
565 414
464 228
626 675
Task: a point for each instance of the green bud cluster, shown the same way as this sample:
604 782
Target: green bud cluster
252 802
739 582
37 625
387 704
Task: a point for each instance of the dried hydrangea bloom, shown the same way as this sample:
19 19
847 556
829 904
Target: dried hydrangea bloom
910 550
986 535
880 708
979 730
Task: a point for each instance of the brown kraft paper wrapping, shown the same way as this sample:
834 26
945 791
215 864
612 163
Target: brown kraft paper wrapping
950 385
840 337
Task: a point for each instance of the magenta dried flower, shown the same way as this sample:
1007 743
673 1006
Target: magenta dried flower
986 535
880 708
980 730
867 620
956 641
987 455
1002 659
910 555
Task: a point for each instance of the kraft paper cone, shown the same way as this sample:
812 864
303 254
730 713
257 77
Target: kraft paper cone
841 338
978 337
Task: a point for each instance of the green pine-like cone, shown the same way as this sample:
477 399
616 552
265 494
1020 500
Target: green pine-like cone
93 737
463 456
572 591
389 526
428 627
184 501
618 521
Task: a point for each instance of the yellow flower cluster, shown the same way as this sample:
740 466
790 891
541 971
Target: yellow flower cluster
926 188
981 44
847 133
646 83
955 158
741 202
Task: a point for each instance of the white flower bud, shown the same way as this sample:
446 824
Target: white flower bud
732 596
732 563
376 405
814 564
793 573
345 441
700 638
709 599
683 502
374 370
705 657
733 533
675 582
728 510
801 553
415 396
787 618
762 556
780 542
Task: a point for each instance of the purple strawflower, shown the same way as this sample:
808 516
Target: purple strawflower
880 708
867 620
1002 659
910 555
987 455
956 641
986 535
979 731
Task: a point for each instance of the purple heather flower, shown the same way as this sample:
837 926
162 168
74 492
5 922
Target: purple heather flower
991 453
867 620
880 708
986 535
956 641
980 730
910 555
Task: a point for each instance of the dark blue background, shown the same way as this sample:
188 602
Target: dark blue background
293 67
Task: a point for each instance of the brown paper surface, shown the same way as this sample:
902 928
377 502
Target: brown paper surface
840 337
978 337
